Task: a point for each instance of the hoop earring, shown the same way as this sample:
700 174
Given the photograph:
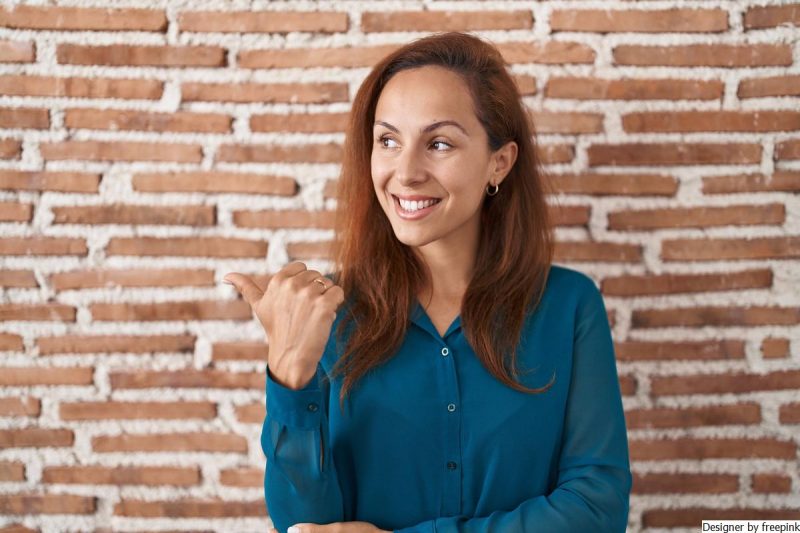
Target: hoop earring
496 189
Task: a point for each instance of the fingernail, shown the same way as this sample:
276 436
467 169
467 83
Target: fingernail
229 282
293 530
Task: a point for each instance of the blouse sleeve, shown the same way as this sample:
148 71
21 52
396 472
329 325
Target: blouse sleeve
300 481
594 479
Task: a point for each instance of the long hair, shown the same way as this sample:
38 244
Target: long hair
381 276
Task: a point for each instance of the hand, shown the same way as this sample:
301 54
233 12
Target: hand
297 314
336 527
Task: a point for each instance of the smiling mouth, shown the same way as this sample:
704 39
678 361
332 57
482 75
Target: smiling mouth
415 213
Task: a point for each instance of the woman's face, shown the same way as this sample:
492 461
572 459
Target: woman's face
429 143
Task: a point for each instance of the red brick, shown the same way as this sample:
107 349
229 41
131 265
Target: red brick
186 246
11 471
697 217
436 20
790 413
37 312
705 55
598 252
239 351
263 93
736 383
719 448
758 17
18 279
115 119
11 342
212 379
638 154
704 316
788 149
772 348
215 182
779 181
23 180
10 149
284 218
684 483
115 343
170 442
17 528
770 86
122 475
716 121
137 410
615 184
300 122
309 250
554 122
259 153
80 18
775 483
683 350
526 85
181 310
132 277
686 417
15 212
628 385
25 376
36 504
637 285
35 437
133 214
632 89
639 20
570 215
344 57
717 249
693 517
17 51
263 21
556 153
191 508
39 245
121 151
253 413
140 55
242 477
141 89
28 118
20 406
547 52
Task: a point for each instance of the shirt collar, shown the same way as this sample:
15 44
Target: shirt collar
421 319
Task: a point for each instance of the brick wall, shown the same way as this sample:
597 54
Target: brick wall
147 151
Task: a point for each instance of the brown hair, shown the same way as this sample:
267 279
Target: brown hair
380 275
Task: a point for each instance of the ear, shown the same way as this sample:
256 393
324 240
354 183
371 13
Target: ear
502 162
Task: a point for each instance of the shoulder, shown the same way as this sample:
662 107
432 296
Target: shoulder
568 284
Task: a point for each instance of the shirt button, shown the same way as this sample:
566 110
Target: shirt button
451 465
445 351
312 407
451 407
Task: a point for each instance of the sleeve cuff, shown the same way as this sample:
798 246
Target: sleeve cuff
300 408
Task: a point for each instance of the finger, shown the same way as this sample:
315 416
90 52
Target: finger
246 287
308 528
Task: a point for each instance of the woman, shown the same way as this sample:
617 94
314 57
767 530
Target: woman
435 303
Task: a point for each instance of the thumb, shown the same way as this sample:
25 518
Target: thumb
303 528
246 287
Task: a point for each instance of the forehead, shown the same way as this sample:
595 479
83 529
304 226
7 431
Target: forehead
425 94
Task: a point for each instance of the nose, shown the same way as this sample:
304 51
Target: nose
410 169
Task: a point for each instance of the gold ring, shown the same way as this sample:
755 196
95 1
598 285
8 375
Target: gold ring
322 282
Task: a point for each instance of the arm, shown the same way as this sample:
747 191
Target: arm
300 482
594 478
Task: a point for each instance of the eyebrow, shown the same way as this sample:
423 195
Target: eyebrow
428 128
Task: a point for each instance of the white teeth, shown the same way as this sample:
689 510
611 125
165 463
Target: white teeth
415 205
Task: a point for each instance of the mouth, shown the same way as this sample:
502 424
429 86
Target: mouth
415 210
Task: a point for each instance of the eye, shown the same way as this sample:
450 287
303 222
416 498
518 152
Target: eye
382 141
448 145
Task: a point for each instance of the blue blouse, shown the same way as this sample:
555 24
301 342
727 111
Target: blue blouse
432 442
